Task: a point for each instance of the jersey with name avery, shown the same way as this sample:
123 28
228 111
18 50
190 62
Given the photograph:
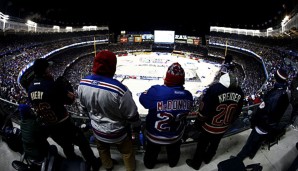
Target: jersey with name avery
36 95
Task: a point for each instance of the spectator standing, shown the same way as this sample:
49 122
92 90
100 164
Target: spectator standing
168 105
265 122
227 66
111 109
48 98
220 107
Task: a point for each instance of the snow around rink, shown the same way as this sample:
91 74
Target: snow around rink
140 72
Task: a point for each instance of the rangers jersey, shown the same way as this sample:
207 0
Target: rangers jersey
221 105
168 108
48 99
110 106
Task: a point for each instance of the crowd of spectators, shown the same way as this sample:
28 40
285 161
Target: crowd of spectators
273 55
76 63
16 55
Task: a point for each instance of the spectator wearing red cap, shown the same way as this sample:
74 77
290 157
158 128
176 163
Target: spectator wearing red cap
175 75
110 107
168 106
265 121
104 64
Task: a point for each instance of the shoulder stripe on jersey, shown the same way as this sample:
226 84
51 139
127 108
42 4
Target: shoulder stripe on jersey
102 85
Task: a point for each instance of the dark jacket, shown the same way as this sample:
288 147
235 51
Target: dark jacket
294 91
34 137
271 110
48 98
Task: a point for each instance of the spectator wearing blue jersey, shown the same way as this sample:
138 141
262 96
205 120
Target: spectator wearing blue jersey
111 109
168 106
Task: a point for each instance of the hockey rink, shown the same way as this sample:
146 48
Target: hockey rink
140 72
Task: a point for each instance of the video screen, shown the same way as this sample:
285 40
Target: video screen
164 36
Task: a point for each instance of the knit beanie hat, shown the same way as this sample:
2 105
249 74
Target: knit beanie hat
281 75
105 63
175 75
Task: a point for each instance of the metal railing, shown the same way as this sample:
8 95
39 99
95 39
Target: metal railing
241 124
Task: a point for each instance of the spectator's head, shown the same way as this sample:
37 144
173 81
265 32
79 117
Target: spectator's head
228 59
281 75
105 63
228 65
175 75
40 67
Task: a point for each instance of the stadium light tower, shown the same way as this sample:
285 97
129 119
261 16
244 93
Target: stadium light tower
269 30
56 28
3 18
31 24
68 29
89 28
284 23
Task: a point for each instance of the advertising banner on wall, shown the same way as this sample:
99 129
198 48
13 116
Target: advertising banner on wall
138 39
147 37
131 39
196 41
123 40
189 41
180 37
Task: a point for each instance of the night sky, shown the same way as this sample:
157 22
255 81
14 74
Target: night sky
184 17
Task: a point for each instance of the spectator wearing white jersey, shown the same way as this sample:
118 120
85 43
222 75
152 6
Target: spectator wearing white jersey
111 108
